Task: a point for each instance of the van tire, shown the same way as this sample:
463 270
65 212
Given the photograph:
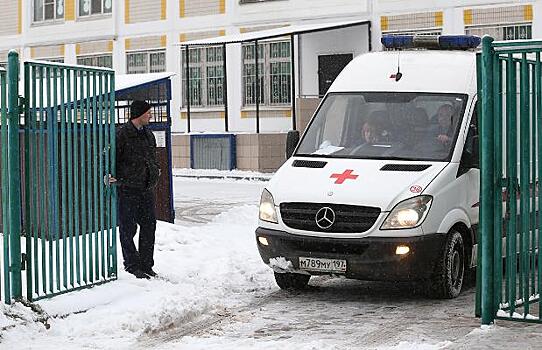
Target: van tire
291 280
450 269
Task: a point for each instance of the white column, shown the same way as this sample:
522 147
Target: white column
70 56
537 19
453 21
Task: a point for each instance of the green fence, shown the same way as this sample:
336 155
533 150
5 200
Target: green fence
510 86
68 222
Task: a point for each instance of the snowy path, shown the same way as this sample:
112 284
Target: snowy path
217 294
198 201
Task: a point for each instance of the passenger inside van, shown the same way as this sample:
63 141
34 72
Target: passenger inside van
443 130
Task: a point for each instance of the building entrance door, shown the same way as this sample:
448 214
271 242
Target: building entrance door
329 66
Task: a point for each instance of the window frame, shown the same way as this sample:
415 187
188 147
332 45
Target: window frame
267 60
95 56
93 15
148 54
500 27
44 21
200 62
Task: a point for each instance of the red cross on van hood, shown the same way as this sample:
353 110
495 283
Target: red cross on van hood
377 183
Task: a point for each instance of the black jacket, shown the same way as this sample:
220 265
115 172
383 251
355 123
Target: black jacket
137 167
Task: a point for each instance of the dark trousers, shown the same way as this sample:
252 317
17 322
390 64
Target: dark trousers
137 208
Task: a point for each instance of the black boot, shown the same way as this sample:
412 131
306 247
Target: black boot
139 274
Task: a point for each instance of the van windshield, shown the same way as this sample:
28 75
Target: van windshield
385 125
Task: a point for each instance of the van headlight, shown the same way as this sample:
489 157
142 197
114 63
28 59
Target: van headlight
267 208
408 214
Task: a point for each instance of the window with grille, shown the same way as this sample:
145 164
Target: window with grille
503 32
206 67
94 7
96 61
501 23
274 74
47 10
146 62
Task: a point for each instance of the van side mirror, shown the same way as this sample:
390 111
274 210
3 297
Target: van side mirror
476 150
472 158
291 142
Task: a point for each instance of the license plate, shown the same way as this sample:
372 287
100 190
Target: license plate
324 265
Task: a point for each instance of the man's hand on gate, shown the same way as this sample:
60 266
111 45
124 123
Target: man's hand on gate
109 180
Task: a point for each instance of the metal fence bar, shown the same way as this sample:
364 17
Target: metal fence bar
27 183
81 165
512 184
113 212
43 186
95 164
533 180
5 185
33 115
51 167
478 301
14 175
524 178
90 208
74 187
64 170
54 136
72 212
107 171
487 185
498 210
101 173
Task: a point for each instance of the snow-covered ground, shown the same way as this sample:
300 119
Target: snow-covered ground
217 294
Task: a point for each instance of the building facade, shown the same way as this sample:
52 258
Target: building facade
144 36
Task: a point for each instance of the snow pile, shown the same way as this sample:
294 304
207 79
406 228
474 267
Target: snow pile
418 346
204 269
223 174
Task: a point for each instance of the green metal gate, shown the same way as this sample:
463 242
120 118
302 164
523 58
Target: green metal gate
510 86
68 223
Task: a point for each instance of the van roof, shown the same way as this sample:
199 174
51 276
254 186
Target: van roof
422 71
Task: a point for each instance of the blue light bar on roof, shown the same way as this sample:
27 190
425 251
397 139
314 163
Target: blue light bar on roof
442 42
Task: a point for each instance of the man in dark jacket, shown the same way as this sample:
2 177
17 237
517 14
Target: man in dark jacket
137 174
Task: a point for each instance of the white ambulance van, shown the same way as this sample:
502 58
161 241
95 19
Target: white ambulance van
384 182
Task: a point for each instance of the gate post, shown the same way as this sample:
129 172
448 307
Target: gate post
14 175
487 185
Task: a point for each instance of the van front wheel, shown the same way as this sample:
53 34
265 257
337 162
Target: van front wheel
450 269
291 280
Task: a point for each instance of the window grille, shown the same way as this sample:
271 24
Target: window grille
206 67
96 61
146 62
274 73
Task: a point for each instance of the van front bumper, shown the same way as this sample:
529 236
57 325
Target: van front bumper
368 258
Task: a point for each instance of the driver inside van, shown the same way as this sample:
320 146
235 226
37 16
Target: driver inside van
371 132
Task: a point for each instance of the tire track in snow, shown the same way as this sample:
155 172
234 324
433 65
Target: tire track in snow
204 324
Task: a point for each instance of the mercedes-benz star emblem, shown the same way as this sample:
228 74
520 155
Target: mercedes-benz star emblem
325 218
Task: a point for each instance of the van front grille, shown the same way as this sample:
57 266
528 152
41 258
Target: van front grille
348 218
